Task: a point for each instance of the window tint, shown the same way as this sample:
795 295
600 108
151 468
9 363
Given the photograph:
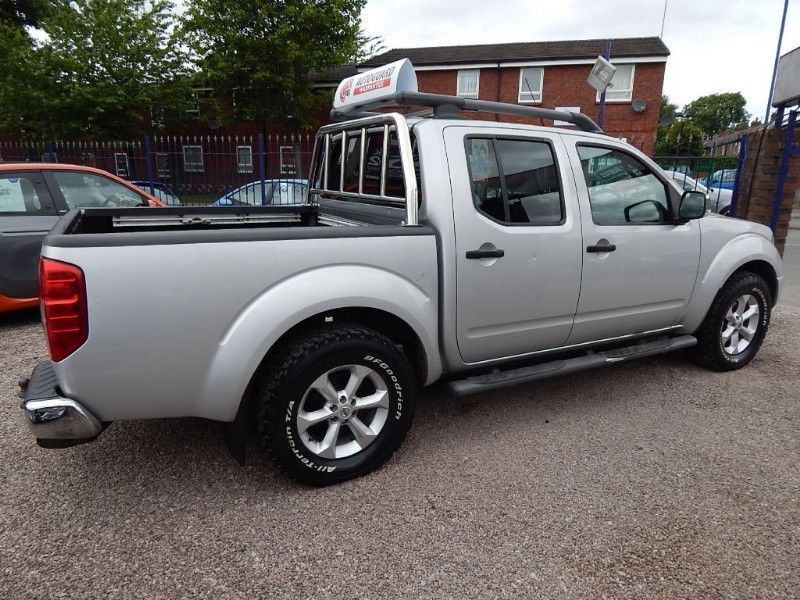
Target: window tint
531 182
373 157
515 181
484 175
395 184
18 195
86 190
622 190
352 162
335 163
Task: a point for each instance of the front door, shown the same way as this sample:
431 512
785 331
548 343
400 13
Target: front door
26 215
639 268
518 241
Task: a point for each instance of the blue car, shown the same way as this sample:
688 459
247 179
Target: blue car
276 192
162 191
724 179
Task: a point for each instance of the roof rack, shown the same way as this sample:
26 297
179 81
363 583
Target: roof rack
449 107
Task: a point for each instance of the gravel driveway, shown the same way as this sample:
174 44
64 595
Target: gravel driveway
652 479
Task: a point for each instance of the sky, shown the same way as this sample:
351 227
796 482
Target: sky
716 45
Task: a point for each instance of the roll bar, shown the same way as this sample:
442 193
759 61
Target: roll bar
359 126
449 106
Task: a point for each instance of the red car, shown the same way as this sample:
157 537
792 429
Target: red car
32 198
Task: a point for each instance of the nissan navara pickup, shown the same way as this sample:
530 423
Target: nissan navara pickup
490 254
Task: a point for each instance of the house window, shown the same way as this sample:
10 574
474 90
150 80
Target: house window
621 88
121 165
162 165
530 85
467 85
244 159
193 159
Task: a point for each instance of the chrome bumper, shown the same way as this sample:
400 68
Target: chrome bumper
56 421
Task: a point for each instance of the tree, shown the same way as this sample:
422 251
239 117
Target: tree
682 138
263 52
22 13
717 112
667 112
109 65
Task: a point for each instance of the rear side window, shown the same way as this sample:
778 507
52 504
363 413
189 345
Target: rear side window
18 195
515 181
88 190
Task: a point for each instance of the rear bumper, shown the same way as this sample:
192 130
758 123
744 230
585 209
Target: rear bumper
56 421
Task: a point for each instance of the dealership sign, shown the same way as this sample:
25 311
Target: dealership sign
376 84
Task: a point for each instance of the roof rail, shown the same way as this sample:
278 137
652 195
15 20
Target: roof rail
449 106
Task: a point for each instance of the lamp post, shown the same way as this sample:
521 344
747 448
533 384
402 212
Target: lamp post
777 58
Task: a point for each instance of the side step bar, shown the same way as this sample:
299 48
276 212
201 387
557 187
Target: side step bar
512 377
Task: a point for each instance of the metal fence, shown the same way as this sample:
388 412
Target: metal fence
195 169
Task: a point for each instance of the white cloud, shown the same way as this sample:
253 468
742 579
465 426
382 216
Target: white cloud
716 45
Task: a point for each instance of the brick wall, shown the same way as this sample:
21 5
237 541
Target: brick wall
566 86
759 181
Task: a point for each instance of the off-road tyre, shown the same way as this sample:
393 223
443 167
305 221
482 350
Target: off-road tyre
279 391
709 351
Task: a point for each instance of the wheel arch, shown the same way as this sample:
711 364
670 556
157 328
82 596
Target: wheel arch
764 270
750 252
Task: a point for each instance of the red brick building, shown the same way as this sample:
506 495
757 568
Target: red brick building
548 74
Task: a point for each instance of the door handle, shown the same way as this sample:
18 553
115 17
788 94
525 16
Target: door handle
599 248
472 254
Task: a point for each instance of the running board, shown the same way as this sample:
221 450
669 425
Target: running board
512 377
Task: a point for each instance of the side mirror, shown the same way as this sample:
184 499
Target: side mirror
693 206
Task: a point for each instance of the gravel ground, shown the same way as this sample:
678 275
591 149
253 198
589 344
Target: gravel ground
653 479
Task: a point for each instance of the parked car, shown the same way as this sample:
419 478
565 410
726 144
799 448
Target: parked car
725 178
276 192
163 191
717 199
32 198
493 253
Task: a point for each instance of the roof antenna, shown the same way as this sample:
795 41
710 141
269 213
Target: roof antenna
530 91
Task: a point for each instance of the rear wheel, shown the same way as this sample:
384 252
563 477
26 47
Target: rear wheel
336 404
736 323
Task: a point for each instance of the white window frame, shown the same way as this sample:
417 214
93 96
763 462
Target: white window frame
477 83
287 168
163 172
194 168
121 167
630 92
244 167
524 90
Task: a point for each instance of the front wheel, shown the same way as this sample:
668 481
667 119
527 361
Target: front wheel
736 323
336 404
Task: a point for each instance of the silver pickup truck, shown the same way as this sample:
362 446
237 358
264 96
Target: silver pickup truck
493 254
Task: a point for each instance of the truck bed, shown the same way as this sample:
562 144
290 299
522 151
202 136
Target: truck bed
192 298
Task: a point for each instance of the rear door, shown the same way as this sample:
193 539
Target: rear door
518 241
26 215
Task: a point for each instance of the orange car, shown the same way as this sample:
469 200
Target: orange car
32 198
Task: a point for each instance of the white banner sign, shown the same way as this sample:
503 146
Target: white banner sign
378 83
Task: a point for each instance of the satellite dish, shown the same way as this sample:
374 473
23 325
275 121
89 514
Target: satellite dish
639 105
601 74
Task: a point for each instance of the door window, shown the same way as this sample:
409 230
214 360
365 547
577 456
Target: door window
622 190
87 190
515 181
18 195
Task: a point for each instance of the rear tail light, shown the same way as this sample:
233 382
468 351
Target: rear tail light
62 291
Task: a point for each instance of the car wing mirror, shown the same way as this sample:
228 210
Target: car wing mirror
692 206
